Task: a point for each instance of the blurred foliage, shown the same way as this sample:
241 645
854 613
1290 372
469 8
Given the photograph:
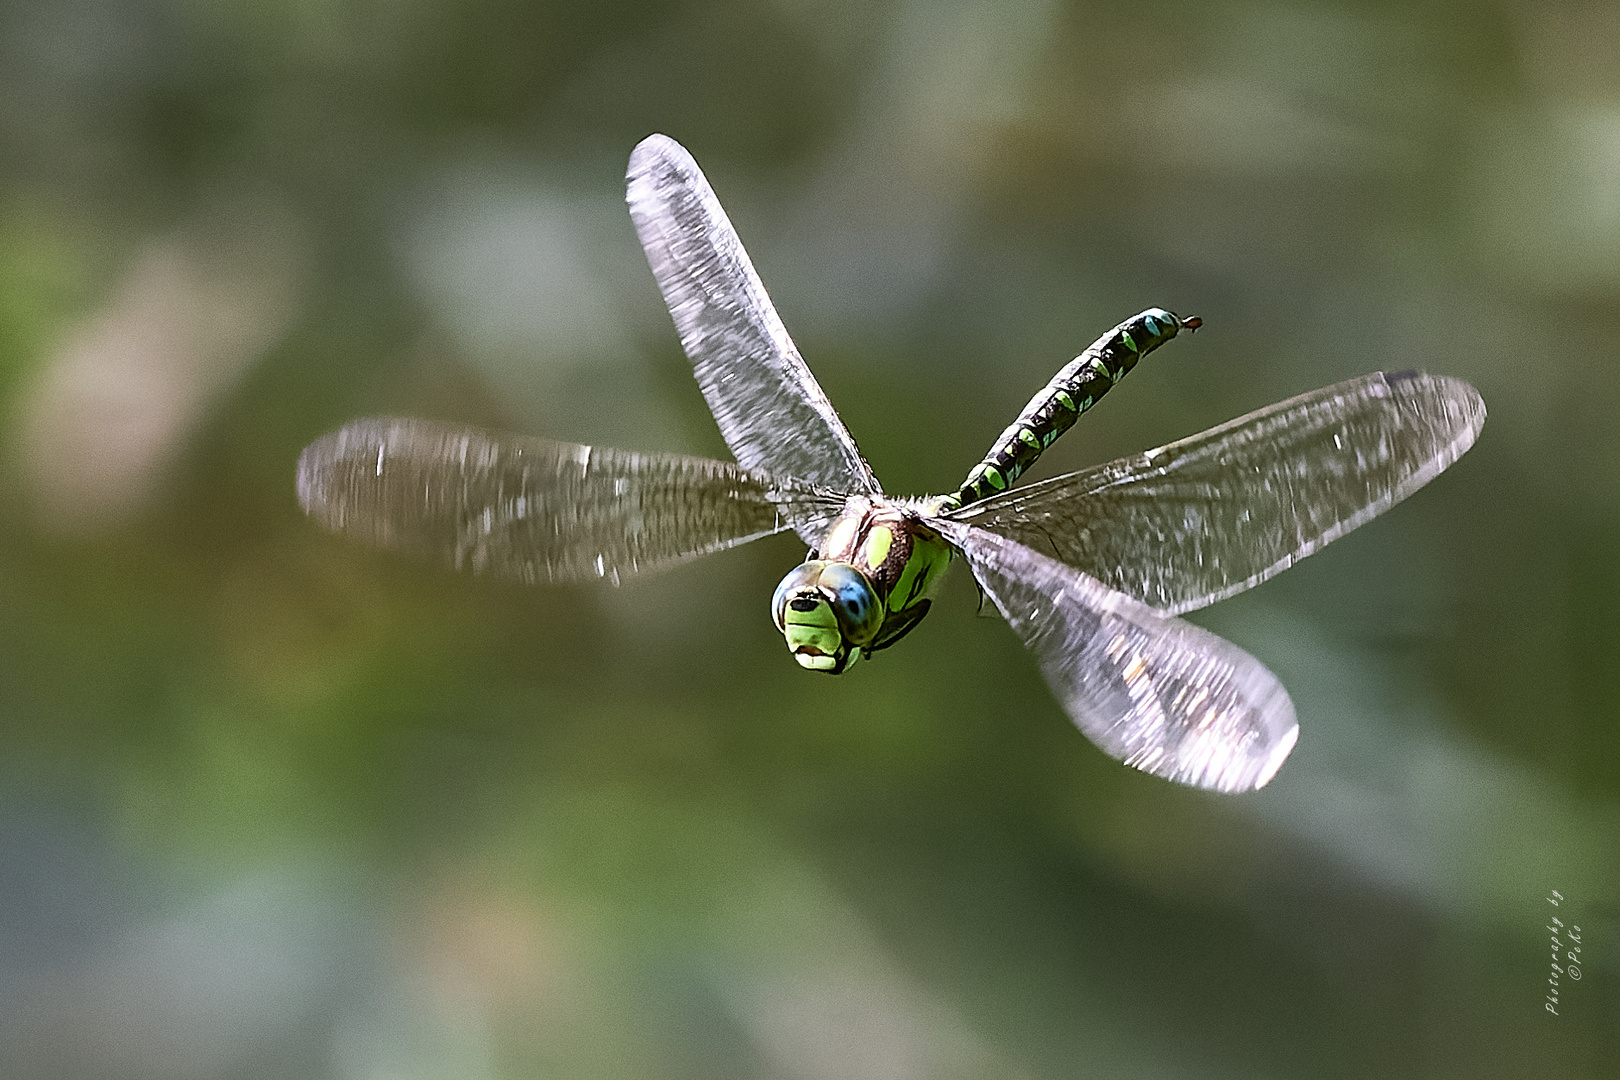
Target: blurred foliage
273 806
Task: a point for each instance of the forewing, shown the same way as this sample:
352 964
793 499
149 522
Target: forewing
532 510
769 407
1194 522
1151 690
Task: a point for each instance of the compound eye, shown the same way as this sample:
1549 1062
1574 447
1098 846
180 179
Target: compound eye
800 579
854 600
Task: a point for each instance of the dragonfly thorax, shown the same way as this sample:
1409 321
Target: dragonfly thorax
872 580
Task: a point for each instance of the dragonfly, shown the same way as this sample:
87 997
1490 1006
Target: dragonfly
1091 569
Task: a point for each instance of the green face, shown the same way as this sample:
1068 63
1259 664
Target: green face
828 612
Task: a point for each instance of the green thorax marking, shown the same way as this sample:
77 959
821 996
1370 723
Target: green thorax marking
1071 392
903 558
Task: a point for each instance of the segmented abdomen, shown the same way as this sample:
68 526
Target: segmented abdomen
1071 392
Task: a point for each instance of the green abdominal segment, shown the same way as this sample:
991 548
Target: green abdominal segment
1071 392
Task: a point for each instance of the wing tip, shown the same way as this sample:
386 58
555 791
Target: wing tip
1279 754
1464 405
310 482
319 463
1469 400
658 150
1215 765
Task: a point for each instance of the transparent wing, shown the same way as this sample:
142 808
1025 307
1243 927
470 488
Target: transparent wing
532 510
772 413
1194 522
1153 691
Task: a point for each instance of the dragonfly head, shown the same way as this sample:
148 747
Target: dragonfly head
828 612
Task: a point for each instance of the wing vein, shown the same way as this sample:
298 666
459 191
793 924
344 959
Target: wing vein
533 510
1202 519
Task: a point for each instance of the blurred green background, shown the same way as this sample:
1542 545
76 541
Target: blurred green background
272 805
